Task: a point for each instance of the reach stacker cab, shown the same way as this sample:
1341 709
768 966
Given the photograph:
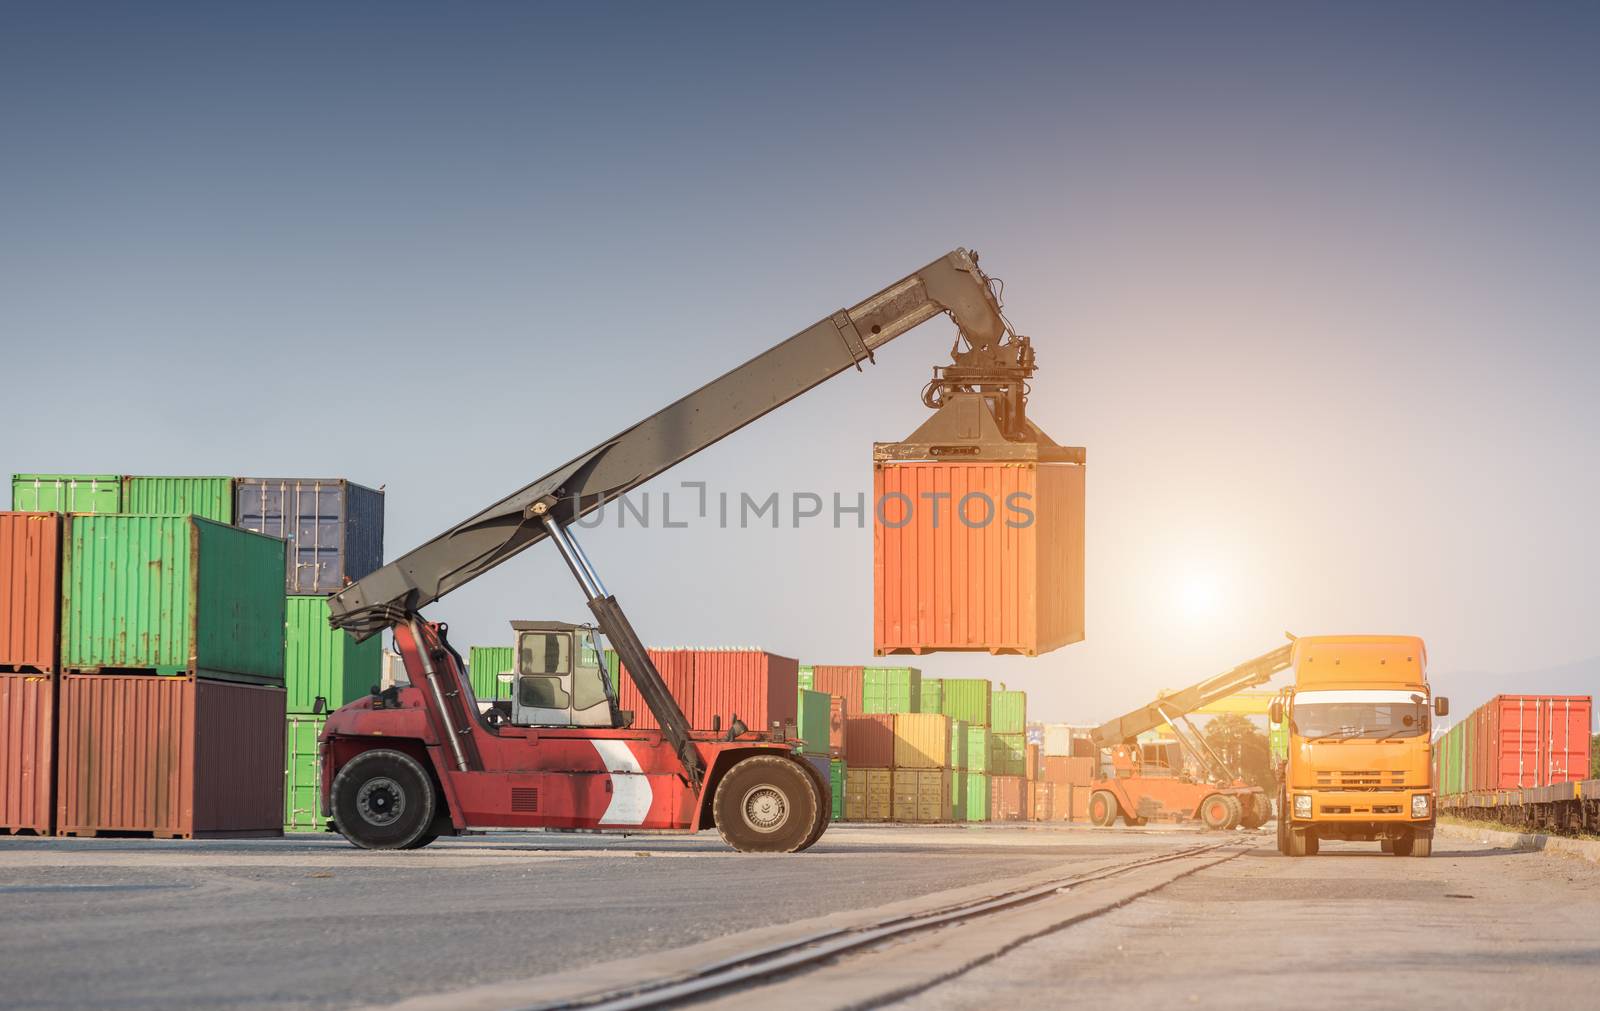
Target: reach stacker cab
409 764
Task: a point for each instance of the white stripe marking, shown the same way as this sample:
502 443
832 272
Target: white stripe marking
630 787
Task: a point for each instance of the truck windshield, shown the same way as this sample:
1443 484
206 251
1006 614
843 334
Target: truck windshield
1350 715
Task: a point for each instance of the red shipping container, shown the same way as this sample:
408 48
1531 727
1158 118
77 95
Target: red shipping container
676 667
841 680
977 556
1067 771
869 741
759 688
30 591
1533 740
174 757
1008 798
1079 806
27 745
1044 800
1031 761
837 715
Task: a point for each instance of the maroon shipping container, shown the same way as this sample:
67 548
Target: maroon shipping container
837 715
30 591
1065 771
757 687
173 757
676 667
1044 798
1008 798
869 741
841 680
27 743
1532 740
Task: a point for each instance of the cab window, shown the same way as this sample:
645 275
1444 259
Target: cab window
542 693
545 653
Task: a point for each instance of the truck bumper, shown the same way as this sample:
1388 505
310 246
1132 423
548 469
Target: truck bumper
1364 814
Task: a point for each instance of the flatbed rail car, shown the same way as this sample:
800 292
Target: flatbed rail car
1561 808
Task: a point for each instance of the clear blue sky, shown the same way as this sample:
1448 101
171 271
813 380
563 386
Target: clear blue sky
1316 287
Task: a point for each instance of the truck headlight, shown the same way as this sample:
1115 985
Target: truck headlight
1419 805
1302 805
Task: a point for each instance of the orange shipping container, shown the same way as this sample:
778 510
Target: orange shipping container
172 756
27 743
1031 760
676 667
30 591
1067 771
1080 803
977 556
921 741
759 688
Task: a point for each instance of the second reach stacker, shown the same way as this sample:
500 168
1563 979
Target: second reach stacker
409 764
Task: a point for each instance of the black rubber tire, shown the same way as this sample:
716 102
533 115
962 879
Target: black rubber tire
1255 810
1302 841
1215 812
1103 808
384 800
1235 812
1386 845
1422 843
1283 824
765 787
1313 842
825 789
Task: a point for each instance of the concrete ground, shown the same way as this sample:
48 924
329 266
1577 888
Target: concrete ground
311 922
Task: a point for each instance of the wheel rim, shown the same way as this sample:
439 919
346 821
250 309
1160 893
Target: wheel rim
765 808
380 801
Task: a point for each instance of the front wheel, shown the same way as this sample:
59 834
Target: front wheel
766 804
384 800
1102 808
1215 812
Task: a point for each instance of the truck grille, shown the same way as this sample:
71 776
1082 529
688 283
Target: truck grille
1362 779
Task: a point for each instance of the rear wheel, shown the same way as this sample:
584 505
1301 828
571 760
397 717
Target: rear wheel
767 804
1215 812
1422 843
1103 808
1235 811
384 800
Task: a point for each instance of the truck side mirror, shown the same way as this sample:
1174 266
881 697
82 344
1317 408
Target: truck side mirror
1441 706
1275 711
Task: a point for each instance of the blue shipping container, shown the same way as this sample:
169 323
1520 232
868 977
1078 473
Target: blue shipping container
334 527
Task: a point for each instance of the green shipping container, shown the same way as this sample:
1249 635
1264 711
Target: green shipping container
302 774
66 493
977 798
932 696
967 699
958 796
805 677
836 771
977 748
1008 712
485 664
815 717
211 497
319 660
172 595
958 745
891 690
1008 754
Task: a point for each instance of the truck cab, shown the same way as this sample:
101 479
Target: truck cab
1358 763
560 678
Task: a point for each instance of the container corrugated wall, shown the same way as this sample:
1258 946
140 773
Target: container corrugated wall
27 749
869 741
841 680
334 527
977 748
1007 798
1008 578
174 757
759 688
30 585
302 774
676 667
977 796
66 493
836 784
921 795
813 712
891 689
485 664
958 744
932 696
1008 712
209 497
921 740
868 794
1008 754
320 660
172 594
967 699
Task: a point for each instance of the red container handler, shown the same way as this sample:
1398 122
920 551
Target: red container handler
30 592
27 748
1533 740
171 757
1008 798
841 680
978 556
759 688
869 741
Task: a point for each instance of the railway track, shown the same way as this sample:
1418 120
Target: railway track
764 965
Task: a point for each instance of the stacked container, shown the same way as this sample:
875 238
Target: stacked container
891 690
932 696
30 579
1515 742
713 686
485 664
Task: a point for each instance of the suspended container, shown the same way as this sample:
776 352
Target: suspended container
891 689
302 774
172 595
66 493
323 661
210 497
30 586
967 699
176 758
334 528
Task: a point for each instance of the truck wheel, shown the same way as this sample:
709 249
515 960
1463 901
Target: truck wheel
1422 843
1302 842
1283 835
1386 845
767 804
1103 808
1255 810
825 808
383 800
1235 812
1215 812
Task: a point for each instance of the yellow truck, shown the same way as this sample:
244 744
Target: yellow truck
1359 764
